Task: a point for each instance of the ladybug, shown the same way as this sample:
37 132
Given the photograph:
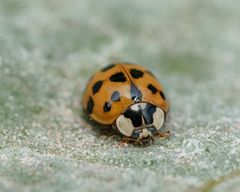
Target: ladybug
127 97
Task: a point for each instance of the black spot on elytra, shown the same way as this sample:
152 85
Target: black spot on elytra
115 96
162 95
90 105
107 107
109 66
136 94
135 73
152 88
118 77
148 112
134 116
96 87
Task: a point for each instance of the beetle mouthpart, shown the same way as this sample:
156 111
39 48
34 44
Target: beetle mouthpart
141 133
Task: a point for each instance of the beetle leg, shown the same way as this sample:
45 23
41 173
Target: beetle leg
164 135
125 141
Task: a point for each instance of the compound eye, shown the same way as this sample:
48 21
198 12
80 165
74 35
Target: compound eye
153 130
136 134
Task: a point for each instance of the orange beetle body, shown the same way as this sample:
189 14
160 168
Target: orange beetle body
117 87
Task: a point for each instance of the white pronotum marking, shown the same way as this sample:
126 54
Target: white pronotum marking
158 118
124 125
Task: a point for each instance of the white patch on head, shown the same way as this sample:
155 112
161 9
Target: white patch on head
158 118
146 133
124 125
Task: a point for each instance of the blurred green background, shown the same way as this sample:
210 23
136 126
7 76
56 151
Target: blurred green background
49 49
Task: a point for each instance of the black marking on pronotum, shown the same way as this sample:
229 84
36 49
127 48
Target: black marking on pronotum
148 112
118 77
90 105
136 94
96 87
135 73
107 67
152 88
107 107
115 96
162 95
134 116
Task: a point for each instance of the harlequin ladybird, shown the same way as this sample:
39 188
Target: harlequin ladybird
129 98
